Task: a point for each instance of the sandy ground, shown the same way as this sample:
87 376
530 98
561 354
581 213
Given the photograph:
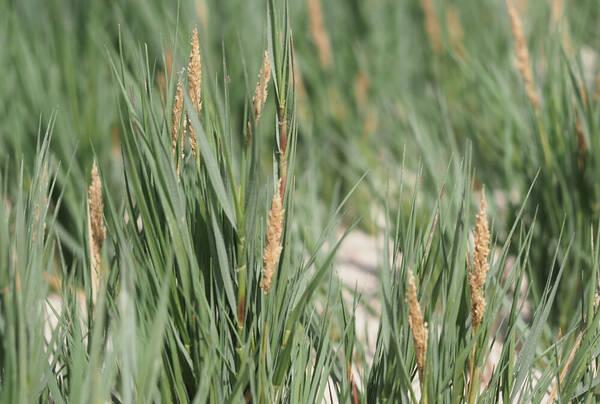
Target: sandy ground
357 268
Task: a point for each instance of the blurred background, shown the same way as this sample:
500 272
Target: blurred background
381 85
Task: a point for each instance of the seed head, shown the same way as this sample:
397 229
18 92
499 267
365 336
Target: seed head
168 63
417 326
96 207
432 25
478 272
274 233
195 72
522 54
195 82
318 33
96 229
260 93
177 111
202 13
557 10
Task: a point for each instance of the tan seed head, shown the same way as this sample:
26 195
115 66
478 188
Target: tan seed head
478 271
177 111
522 54
195 72
318 33
260 92
557 10
195 82
274 234
432 25
96 229
417 326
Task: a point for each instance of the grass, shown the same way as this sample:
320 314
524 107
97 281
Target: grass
225 196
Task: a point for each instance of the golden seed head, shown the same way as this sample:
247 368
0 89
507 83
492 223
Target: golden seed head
432 25
96 229
192 138
318 33
195 73
168 63
557 10
417 326
202 12
478 272
274 234
182 145
260 93
96 208
522 54
177 111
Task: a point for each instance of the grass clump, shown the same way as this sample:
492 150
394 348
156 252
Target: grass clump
194 255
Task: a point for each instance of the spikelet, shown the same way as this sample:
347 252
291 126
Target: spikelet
195 72
522 54
177 110
274 233
169 63
432 25
478 272
96 229
557 11
417 326
192 139
182 144
260 92
202 13
318 33
195 82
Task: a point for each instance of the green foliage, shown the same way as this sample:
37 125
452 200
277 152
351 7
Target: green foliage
390 135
